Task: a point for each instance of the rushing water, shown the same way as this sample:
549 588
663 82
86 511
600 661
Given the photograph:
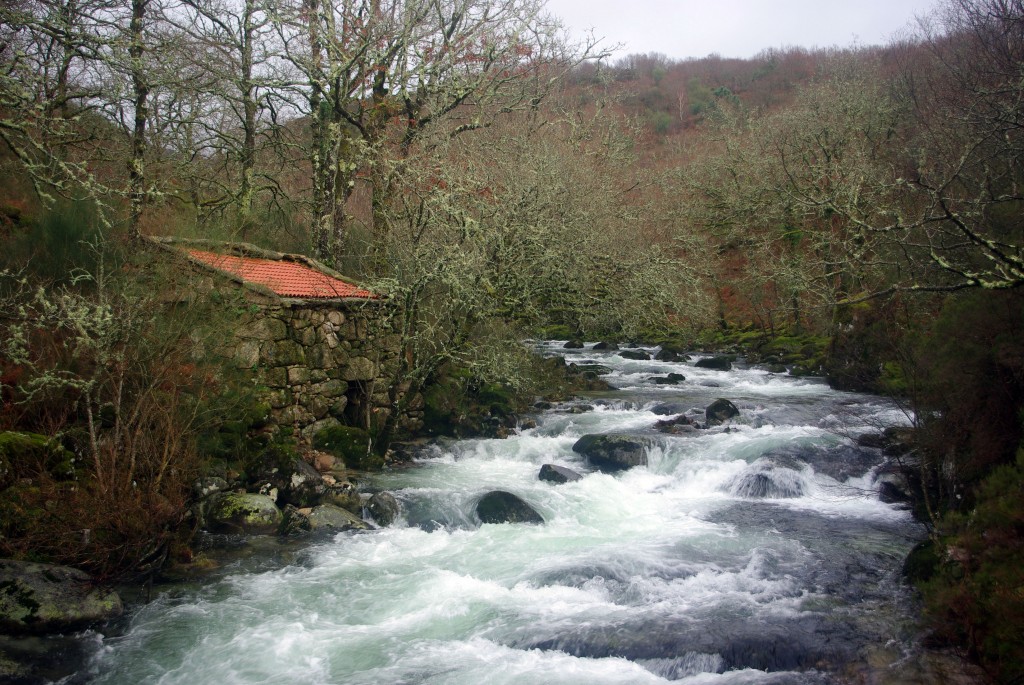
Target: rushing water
671 572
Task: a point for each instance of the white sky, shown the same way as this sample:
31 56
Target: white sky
736 28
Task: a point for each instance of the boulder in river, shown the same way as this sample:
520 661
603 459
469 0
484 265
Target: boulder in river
767 479
613 452
606 346
328 516
243 512
499 506
721 363
384 508
636 355
553 473
670 379
44 598
669 408
573 345
667 354
720 411
677 425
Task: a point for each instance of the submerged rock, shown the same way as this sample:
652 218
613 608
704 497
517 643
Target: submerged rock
504 507
44 598
720 411
613 452
553 473
636 355
765 479
245 513
670 379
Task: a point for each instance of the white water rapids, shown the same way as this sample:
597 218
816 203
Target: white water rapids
669 572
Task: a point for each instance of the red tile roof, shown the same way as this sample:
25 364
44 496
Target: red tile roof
288 279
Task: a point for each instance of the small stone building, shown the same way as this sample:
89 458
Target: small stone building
323 349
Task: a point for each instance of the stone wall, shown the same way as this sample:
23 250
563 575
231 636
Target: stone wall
321 363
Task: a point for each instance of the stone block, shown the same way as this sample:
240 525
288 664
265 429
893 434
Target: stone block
307 336
317 375
296 414
336 317
322 357
331 389
264 328
338 407
276 377
247 354
359 369
279 399
297 375
284 353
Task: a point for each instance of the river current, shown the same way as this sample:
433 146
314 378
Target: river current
754 552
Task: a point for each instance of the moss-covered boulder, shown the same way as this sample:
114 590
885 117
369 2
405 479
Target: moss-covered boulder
611 452
44 598
31 452
243 513
330 517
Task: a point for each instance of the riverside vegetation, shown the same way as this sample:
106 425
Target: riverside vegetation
851 213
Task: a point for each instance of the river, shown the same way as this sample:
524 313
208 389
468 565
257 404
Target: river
755 552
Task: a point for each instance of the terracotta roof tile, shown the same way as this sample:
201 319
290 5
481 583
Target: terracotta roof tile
288 279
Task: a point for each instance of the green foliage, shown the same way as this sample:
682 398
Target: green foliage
976 595
59 246
351 445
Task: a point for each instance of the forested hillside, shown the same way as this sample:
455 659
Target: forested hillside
854 212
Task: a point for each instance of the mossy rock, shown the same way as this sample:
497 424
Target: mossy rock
30 451
44 598
245 513
351 445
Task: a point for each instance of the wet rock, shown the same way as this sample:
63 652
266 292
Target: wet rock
840 462
553 473
330 517
677 425
666 354
589 367
636 355
45 598
606 346
211 485
611 452
245 513
573 345
343 495
670 379
871 440
527 424
384 508
669 408
720 411
722 363
504 507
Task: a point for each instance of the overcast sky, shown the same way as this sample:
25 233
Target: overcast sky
736 28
